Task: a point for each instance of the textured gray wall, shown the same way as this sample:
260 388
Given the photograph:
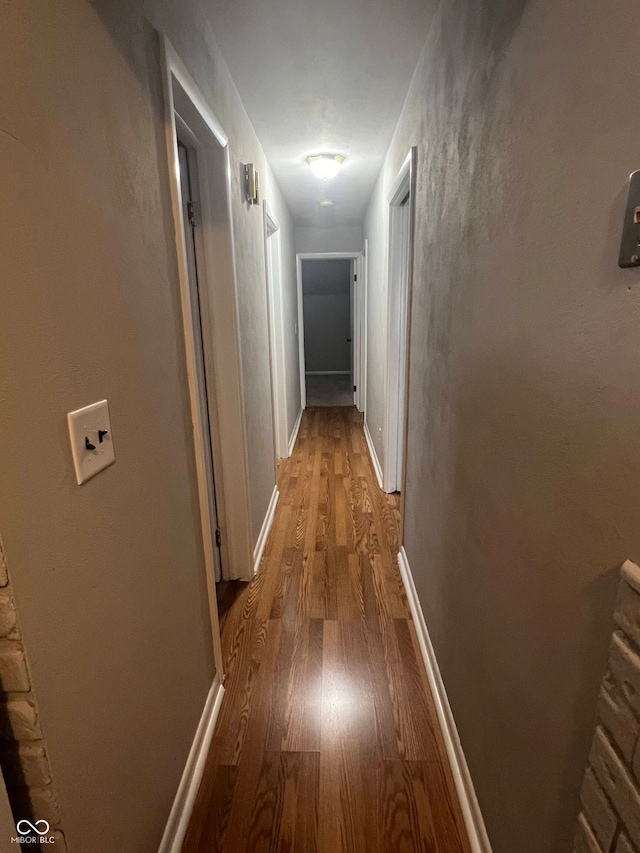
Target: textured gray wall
109 577
343 238
523 489
326 289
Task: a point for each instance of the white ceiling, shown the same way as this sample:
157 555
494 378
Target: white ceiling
322 76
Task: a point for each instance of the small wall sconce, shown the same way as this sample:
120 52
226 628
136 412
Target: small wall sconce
251 184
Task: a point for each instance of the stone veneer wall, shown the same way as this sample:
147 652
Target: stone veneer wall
23 756
610 818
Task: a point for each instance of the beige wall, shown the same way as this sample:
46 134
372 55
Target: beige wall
109 577
523 491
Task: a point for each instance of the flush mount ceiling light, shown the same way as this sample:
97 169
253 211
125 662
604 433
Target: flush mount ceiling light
325 202
325 166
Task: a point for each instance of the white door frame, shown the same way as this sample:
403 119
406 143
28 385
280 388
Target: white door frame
220 331
359 303
277 360
399 286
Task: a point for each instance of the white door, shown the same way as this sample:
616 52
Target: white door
398 301
353 367
403 295
192 238
360 330
276 335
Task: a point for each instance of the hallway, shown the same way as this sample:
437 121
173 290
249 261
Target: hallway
329 390
327 737
319 430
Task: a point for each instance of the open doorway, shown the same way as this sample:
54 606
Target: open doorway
327 303
330 340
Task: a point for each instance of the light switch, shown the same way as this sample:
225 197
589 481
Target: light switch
630 243
91 440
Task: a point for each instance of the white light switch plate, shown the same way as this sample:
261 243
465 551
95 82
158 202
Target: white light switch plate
91 440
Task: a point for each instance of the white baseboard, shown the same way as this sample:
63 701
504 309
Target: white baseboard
264 532
473 819
182 807
374 456
294 431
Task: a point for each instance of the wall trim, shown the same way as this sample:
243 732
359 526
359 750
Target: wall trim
264 532
180 813
474 822
295 431
374 456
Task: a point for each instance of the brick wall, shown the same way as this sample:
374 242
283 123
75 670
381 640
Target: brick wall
610 818
23 755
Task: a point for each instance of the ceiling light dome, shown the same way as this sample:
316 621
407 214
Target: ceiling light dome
325 166
325 202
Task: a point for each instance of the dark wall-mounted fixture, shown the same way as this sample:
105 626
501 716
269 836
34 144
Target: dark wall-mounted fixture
251 184
630 244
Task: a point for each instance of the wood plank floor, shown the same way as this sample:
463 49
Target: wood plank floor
327 738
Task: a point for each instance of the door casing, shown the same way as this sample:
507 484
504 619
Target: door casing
187 112
358 320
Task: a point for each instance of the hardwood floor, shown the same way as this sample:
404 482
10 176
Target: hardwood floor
327 738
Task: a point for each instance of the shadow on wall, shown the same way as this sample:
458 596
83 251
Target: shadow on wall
489 27
130 31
